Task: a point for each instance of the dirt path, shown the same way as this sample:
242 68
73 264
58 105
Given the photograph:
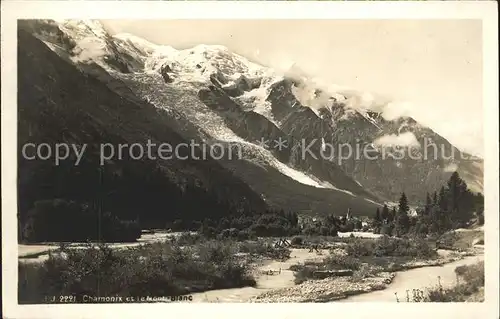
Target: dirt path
419 278
264 282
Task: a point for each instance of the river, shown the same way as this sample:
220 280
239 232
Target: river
419 278
283 279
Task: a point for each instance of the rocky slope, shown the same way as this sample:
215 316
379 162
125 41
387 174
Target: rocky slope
59 104
213 96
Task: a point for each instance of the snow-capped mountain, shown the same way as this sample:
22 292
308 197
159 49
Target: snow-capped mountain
214 95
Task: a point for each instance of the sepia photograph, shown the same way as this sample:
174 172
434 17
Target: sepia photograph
250 161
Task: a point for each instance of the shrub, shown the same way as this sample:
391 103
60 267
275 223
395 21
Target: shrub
155 270
362 272
297 241
188 239
310 231
358 224
473 276
177 225
336 261
360 247
244 235
207 231
447 240
347 227
263 249
302 273
386 229
387 246
216 252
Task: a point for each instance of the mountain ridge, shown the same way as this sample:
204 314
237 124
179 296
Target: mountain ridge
234 100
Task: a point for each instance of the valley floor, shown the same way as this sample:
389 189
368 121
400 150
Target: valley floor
281 288
275 281
281 277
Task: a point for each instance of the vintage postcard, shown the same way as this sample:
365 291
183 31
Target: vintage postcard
162 157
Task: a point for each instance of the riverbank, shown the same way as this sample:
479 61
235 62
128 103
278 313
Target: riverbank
340 288
419 278
387 278
274 280
269 275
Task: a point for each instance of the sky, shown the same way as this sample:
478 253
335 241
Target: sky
429 69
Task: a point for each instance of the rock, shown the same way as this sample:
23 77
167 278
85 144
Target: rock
166 68
164 73
478 241
325 290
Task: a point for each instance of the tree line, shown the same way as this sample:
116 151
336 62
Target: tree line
453 206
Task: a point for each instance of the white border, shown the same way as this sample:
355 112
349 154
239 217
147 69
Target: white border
13 10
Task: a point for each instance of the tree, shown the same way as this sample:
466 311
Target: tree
385 213
377 222
435 198
402 223
428 205
460 200
403 204
441 214
386 229
480 216
392 215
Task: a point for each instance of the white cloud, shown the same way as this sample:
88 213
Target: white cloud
451 168
408 60
405 139
394 110
89 49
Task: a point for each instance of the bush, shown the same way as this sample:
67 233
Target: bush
336 262
360 247
386 229
473 276
302 273
216 252
358 224
310 231
208 232
229 233
387 246
297 241
151 270
347 227
244 235
447 240
263 249
188 239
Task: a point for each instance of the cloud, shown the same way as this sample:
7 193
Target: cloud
309 96
396 109
405 139
451 168
89 49
408 60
